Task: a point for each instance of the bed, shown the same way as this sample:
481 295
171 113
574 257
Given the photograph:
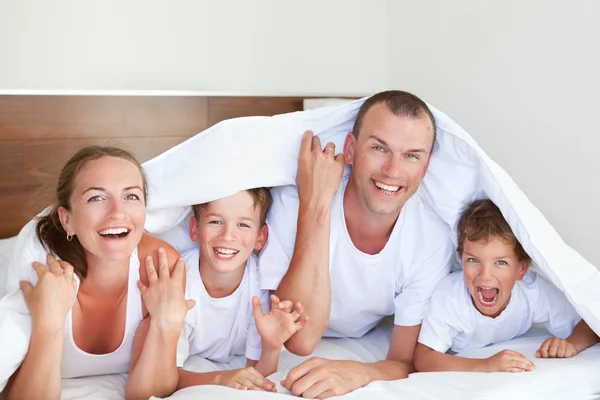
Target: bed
38 133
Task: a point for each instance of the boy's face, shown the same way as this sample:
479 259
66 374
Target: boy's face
228 230
491 269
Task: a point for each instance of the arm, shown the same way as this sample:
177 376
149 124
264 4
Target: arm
399 361
429 360
39 377
582 337
307 279
267 364
157 335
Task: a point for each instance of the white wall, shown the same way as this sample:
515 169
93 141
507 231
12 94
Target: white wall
243 46
523 78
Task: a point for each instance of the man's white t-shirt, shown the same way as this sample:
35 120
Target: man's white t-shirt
220 328
454 323
365 288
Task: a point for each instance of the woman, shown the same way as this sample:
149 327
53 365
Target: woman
96 311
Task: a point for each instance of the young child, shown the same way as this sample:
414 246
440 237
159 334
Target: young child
222 278
495 299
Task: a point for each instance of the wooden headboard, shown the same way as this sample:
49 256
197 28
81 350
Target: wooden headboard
39 133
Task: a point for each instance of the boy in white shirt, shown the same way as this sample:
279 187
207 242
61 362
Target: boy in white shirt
495 299
222 277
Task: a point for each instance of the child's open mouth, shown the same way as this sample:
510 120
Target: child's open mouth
223 253
487 296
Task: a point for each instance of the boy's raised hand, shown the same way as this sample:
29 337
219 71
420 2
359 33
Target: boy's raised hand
508 361
276 327
556 348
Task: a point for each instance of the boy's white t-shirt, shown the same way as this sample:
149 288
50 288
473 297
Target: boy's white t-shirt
220 328
365 288
454 323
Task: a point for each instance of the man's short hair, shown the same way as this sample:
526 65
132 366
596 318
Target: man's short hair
400 103
261 198
483 220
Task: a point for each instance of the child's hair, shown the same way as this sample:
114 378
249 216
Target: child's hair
483 220
261 197
50 231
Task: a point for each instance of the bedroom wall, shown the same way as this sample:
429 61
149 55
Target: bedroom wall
260 47
522 78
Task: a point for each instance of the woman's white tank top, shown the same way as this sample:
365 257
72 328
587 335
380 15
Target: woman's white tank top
77 363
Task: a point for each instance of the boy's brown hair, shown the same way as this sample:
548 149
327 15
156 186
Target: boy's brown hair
483 220
261 198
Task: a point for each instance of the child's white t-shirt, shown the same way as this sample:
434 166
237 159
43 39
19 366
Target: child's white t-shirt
220 328
454 323
365 288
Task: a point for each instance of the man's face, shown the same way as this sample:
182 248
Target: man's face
389 158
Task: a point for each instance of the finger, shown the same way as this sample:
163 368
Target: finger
525 366
523 361
538 354
150 270
247 382
179 270
142 288
329 148
301 324
318 389
26 287
189 303
271 386
327 394
40 269
163 264
306 143
67 268
286 306
307 381
275 302
516 370
256 308
544 348
298 310
238 386
316 143
553 349
53 264
299 371
562 349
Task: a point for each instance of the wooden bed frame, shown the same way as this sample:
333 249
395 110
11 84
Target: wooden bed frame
39 133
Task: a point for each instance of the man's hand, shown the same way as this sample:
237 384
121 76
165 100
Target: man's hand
556 348
279 324
319 171
318 378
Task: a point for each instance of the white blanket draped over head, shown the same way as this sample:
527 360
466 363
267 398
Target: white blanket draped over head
252 152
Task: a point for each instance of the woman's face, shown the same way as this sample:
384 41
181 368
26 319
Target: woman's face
108 209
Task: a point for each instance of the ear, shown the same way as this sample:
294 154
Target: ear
194 231
65 220
261 240
349 144
523 266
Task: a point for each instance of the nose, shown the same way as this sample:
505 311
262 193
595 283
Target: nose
227 233
116 210
485 273
393 166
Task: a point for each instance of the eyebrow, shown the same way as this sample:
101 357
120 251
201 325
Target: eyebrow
383 142
101 189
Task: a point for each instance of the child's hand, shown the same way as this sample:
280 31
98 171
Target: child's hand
508 361
245 379
279 324
556 348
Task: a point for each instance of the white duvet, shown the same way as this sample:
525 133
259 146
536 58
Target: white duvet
262 151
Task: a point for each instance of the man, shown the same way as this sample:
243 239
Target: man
364 248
